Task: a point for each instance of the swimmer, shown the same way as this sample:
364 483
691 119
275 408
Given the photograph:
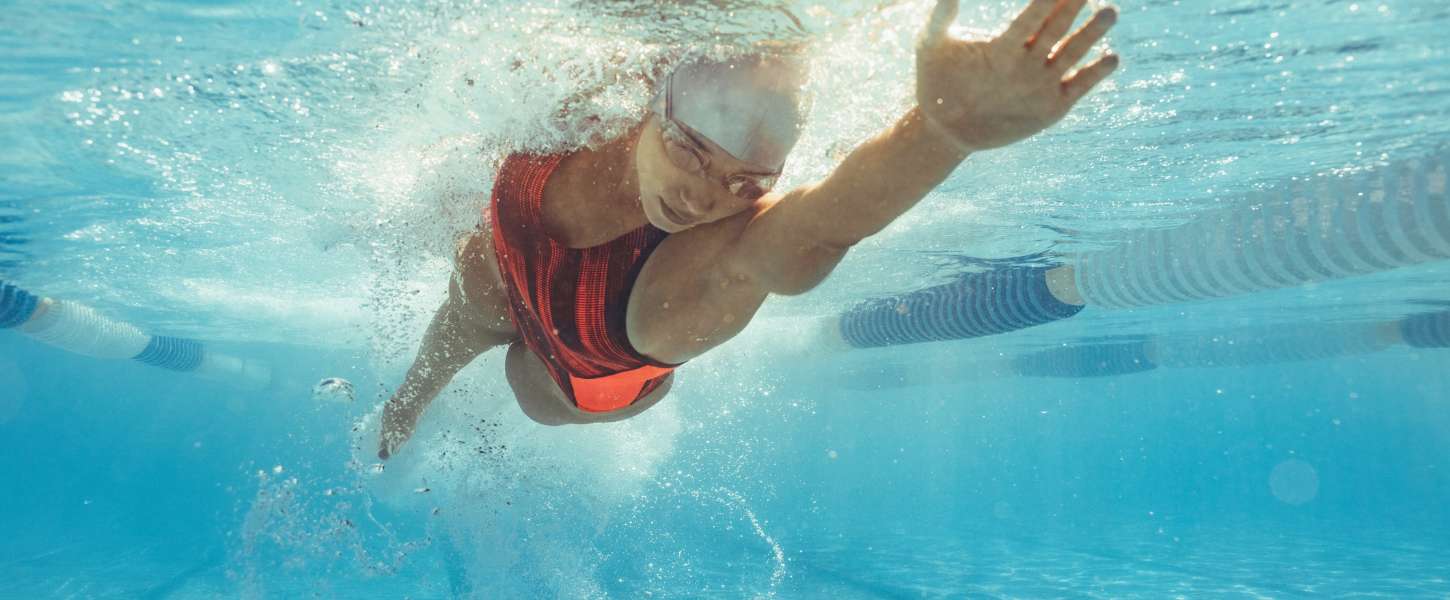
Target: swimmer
605 269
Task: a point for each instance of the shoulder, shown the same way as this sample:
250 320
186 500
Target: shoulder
719 246
700 253
474 264
739 232
473 245
715 241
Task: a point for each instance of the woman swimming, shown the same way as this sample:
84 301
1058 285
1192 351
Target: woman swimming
605 268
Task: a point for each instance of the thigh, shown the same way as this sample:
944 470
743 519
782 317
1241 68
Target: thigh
541 399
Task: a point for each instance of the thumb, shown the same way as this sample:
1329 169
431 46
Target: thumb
942 17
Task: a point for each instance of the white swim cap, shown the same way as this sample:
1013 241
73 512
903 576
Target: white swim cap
750 106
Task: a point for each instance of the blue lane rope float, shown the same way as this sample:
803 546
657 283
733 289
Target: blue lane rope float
1311 230
177 354
16 305
1430 330
1094 360
81 330
974 305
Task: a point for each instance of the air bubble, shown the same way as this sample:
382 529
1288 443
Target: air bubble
1294 482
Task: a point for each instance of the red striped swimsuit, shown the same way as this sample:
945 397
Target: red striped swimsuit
569 304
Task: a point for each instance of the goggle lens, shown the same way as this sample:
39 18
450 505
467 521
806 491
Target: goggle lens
682 152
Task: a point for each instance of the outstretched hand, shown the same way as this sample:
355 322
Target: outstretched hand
987 94
396 426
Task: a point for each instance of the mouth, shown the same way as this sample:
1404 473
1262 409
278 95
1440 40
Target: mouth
673 215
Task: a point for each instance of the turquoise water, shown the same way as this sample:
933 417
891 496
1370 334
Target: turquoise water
284 181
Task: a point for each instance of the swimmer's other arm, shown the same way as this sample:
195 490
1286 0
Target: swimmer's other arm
456 336
971 96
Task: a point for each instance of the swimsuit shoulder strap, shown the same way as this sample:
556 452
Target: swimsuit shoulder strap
521 181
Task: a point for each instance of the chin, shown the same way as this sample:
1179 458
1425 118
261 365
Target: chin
668 226
655 214
658 220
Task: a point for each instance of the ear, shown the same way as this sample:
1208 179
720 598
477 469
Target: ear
646 130
637 139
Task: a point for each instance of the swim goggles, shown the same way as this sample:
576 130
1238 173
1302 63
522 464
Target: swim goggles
688 152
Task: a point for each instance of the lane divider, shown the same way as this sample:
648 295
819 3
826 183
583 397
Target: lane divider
80 329
975 305
1305 231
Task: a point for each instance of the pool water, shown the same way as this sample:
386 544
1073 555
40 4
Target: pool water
285 181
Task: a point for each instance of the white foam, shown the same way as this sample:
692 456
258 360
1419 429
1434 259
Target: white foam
474 439
327 316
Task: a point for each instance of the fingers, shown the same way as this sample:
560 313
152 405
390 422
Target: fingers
390 446
942 17
390 441
1030 21
1088 77
1056 26
1078 45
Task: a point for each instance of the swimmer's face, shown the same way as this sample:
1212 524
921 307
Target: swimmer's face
685 180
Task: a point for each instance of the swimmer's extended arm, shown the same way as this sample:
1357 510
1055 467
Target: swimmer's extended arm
971 95
454 338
